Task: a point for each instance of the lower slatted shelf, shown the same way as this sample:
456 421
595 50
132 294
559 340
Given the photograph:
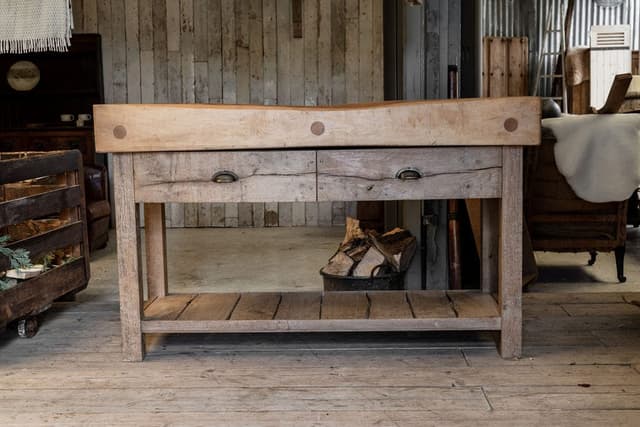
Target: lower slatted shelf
322 312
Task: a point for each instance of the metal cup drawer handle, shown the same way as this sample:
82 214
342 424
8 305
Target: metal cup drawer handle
408 174
224 177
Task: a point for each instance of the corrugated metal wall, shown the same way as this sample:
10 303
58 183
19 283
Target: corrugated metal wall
512 18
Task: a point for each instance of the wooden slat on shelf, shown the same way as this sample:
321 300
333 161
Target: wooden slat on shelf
345 305
256 306
210 307
430 304
299 306
474 305
167 308
389 305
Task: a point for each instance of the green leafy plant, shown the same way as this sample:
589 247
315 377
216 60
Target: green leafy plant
19 258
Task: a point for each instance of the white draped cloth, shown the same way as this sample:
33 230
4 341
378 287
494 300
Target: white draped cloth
35 25
598 154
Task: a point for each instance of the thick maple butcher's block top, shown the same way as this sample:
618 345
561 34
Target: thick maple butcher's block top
128 128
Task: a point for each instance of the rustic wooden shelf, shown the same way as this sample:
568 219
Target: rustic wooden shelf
321 312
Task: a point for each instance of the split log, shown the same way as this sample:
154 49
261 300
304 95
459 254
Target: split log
353 232
397 246
339 265
371 260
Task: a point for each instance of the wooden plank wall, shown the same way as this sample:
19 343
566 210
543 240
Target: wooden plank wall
239 52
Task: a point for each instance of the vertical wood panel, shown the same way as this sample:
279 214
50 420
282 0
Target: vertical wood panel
160 64
285 214
377 35
311 53
231 215
132 34
200 51
147 72
204 215
298 214
338 95
118 26
77 8
146 24
270 47
432 58
243 80
256 63
365 50
352 38
104 28
325 77
245 215
90 18
187 70
228 52
258 214
284 51
214 46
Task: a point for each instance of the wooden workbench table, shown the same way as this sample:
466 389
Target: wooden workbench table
392 151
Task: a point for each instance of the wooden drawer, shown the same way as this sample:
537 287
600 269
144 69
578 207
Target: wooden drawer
438 172
262 176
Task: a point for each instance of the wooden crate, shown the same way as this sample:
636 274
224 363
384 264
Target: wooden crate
24 207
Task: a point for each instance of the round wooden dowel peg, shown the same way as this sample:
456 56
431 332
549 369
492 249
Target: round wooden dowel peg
511 124
119 132
317 128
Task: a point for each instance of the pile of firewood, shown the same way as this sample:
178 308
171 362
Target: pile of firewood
371 254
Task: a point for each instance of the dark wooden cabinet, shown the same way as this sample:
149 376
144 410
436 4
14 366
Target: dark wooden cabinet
50 140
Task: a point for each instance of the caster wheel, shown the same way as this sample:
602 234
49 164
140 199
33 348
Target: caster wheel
28 327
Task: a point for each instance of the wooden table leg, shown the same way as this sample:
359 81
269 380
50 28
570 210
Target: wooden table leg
156 249
129 268
510 274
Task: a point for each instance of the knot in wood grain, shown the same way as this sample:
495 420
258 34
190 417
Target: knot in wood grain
120 132
511 124
317 128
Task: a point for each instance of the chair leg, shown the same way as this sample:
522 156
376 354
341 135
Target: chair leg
592 257
619 251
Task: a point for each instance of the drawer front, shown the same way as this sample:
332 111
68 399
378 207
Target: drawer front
410 174
200 177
